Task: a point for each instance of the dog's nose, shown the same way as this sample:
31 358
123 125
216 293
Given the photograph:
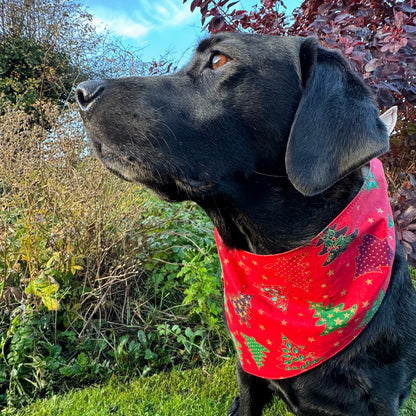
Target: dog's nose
87 92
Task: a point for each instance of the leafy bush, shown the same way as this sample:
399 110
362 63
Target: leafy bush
97 276
26 69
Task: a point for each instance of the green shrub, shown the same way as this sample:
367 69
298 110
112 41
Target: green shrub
97 276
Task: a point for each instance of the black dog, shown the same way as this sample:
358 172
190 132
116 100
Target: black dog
271 136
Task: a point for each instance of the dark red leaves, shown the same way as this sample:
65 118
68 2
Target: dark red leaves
195 4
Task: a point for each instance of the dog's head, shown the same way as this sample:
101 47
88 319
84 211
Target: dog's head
245 104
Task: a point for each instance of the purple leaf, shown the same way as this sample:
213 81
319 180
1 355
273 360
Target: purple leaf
406 8
373 64
195 4
341 17
409 236
409 29
410 214
407 247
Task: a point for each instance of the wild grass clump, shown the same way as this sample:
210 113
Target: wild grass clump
97 276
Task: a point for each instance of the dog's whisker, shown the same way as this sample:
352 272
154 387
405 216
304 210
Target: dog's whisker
268 174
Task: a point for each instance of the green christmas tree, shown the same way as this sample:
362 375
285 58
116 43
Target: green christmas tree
295 358
333 317
370 183
370 313
335 242
227 310
237 346
257 350
391 222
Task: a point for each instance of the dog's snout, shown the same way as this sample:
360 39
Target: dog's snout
87 93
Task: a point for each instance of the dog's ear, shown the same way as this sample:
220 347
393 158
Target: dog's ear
336 127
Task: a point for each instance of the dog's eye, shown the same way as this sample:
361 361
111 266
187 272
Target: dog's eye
218 60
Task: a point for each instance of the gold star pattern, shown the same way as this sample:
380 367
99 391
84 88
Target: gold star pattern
295 270
334 318
374 253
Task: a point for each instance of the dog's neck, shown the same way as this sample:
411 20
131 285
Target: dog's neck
271 217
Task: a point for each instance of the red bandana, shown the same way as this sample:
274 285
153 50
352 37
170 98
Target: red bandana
289 312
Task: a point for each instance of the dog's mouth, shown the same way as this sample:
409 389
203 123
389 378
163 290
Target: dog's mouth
116 162
169 184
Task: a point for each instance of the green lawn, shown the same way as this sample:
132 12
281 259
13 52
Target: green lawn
179 393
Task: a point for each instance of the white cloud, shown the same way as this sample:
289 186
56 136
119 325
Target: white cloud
120 25
156 28
144 17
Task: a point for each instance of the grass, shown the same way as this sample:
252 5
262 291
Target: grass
206 391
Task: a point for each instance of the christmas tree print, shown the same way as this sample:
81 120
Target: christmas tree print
390 221
276 295
294 270
242 306
294 357
333 317
370 183
237 346
257 350
373 254
373 309
227 310
335 242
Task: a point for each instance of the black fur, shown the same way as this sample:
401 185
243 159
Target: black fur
271 146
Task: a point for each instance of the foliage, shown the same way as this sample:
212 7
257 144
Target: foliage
30 72
97 276
208 390
42 47
378 38
48 46
404 202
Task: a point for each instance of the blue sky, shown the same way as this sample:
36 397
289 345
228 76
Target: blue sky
156 27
